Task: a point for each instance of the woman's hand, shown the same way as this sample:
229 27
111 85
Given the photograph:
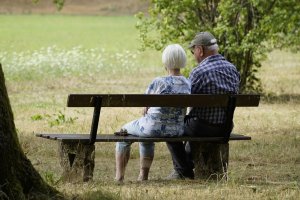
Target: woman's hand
144 112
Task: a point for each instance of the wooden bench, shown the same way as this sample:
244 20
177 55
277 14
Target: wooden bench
77 151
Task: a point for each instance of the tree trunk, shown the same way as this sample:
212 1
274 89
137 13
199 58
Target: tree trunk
18 178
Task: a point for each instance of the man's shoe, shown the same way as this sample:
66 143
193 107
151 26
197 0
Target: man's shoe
175 175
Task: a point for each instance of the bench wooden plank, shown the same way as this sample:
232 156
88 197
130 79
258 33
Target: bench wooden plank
142 100
84 138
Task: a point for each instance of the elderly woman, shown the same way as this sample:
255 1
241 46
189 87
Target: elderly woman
157 121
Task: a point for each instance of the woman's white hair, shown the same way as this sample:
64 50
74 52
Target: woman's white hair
174 57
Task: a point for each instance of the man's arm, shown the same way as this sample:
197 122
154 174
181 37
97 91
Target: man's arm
198 80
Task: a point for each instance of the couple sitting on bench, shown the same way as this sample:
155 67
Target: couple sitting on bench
213 75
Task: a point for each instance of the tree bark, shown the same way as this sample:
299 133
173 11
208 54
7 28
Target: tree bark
18 178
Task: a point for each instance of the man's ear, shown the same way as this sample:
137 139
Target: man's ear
201 51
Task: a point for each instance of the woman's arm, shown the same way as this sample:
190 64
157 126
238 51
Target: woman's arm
152 89
144 112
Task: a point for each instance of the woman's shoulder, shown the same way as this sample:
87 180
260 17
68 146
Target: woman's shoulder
162 79
158 80
156 83
171 80
167 78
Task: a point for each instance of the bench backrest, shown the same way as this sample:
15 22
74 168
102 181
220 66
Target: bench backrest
156 100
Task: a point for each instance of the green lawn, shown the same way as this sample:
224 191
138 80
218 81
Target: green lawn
32 32
47 57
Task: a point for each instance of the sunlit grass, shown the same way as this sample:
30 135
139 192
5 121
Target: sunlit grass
280 73
32 32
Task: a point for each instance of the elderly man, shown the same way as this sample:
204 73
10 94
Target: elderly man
213 75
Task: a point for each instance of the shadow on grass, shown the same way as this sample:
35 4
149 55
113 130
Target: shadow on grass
282 98
99 194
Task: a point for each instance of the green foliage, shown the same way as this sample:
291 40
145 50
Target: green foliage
51 178
59 119
59 3
55 119
246 29
36 117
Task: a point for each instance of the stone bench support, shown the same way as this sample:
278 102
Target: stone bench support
211 160
77 161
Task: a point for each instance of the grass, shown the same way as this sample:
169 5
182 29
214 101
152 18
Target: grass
43 64
32 32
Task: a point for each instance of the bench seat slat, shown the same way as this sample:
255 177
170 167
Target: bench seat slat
157 100
84 138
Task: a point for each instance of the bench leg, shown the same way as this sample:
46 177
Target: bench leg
211 160
77 161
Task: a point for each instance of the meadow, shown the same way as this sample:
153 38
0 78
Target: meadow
46 57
